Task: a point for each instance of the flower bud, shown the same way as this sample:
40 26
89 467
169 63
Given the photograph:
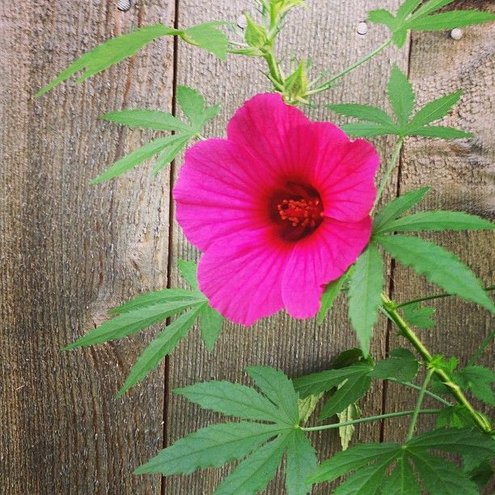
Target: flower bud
255 34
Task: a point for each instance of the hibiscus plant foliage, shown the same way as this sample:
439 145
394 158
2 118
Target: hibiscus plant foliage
301 224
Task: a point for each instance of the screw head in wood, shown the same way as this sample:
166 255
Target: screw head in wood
456 34
124 5
362 28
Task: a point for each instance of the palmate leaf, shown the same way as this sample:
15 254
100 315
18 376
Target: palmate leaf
189 272
138 156
438 221
332 290
367 465
232 399
365 288
168 155
419 316
253 473
263 444
363 112
301 462
109 53
194 107
401 365
438 131
133 321
397 207
435 110
431 6
279 389
160 347
400 95
146 119
209 37
450 20
480 380
212 446
438 265
368 129
211 324
316 383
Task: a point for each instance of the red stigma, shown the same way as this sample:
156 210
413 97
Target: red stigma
301 212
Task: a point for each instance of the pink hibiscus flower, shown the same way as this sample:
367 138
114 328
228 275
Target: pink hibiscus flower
280 208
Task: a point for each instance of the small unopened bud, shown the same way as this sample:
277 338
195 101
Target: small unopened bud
296 85
255 34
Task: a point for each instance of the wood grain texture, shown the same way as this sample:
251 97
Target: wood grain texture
326 33
69 251
462 174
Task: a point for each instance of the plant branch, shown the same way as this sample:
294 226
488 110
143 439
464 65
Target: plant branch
390 168
419 402
417 387
407 332
368 419
328 84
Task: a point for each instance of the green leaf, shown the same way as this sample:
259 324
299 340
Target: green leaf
401 95
348 393
301 462
399 37
279 389
146 119
209 37
133 321
159 296
354 458
253 473
134 158
382 16
434 110
439 266
397 207
419 316
454 417
401 365
350 413
189 272
110 53
362 112
211 324
212 446
175 147
407 8
479 379
332 290
369 130
465 442
367 480
438 221
159 347
194 107
232 399
440 476
450 20
439 132
365 288
430 7
316 383
402 480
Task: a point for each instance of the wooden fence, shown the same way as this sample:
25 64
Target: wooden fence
69 251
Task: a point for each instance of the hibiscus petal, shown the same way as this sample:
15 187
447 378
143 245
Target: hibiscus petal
347 185
318 259
261 128
216 194
242 277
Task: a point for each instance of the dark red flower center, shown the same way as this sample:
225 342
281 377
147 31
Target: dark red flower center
297 210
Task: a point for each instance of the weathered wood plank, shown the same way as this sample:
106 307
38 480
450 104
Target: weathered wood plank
326 33
462 176
68 251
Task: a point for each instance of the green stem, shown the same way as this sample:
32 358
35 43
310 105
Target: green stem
355 65
391 166
419 402
368 419
273 67
427 392
430 298
390 309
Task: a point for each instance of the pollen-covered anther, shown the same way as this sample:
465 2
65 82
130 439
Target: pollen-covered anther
301 212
